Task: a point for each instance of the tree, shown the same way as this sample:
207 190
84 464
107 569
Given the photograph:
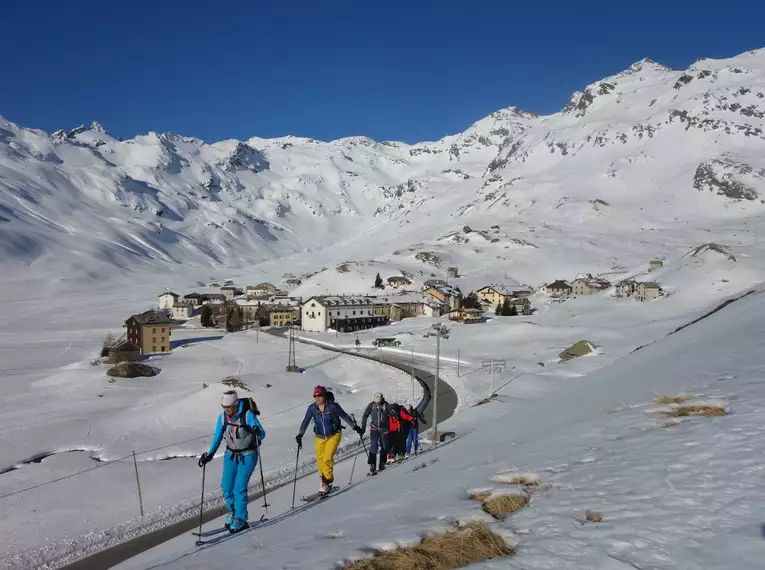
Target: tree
498 310
205 316
472 302
513 312
109 340
505 310
379 282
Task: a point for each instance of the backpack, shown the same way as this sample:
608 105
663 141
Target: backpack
393 410
248 404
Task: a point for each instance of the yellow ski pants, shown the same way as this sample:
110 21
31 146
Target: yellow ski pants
325 454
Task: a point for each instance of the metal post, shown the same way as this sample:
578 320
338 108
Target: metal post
138 483
257 333
491 376
435 389
458 363
412 375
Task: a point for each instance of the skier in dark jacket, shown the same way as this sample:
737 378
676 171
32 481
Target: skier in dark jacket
326 414
379 431
413 441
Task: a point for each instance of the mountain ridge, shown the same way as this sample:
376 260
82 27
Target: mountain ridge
612 152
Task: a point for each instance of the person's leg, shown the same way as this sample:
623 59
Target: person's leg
246 466
227 481
410 441
320 444
330 448
374 443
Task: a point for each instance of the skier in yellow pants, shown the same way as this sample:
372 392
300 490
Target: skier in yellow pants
326 414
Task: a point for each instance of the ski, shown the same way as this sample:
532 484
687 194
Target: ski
216 531
314 496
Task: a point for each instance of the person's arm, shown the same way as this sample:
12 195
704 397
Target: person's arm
306 420
365 417
217 438
341 412
254 424
405 415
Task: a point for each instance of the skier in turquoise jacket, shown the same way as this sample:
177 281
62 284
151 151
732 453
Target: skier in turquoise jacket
242 432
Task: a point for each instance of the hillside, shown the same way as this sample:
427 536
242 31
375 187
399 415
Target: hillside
611 473
648 162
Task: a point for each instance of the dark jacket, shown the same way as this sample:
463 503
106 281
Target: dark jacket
379 416
326 423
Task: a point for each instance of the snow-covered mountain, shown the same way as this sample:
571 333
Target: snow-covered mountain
647 162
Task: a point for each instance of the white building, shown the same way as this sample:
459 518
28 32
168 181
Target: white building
229 291
182 311
167 300
341 313
261 290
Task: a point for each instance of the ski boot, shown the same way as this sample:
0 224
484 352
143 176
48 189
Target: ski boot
237 526
229 521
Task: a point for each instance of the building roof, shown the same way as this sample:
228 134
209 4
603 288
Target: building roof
559 284
650 285
183 304
195 296
446 289
151 318
229 288
523 300
340 300
400 278
434 282
168 293
125 345
264 285
215 297
499 288
468 311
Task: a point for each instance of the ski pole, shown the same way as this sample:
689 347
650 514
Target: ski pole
294 482
262 479
200 542
353 468
361 437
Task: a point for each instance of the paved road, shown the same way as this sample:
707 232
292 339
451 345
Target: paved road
447 404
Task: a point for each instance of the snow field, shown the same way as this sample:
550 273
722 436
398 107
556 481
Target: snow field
86 422
667 498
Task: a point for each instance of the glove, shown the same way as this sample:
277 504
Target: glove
363 428
206 458
255 430
299 439
358 429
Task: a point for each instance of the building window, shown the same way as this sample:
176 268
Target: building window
154 339
163 349
154 349
154 330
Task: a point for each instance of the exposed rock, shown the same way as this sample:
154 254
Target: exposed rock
581 348
131 370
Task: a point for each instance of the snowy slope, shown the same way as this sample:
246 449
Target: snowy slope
672 493
647 163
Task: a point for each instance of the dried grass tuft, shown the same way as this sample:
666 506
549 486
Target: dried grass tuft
670 423
502 505
454 549
480 496
679 399
697 410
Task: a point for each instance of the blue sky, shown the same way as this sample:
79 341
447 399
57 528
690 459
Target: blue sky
392 70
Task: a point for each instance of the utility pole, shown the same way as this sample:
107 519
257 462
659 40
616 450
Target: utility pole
412 375
458 363
492 366
441 331
257 332
291 366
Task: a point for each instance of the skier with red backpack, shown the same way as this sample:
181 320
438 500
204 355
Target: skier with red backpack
400 424
239 427
326 415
